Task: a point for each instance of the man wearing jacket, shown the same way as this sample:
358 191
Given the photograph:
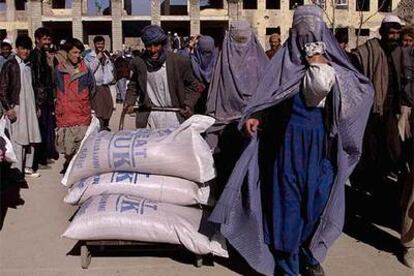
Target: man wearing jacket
22 105
74 91
161 79
42 74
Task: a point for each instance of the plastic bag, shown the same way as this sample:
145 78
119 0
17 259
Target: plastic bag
10 156
126 217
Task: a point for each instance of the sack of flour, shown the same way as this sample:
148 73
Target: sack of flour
126 217
154 187
93 128
178 152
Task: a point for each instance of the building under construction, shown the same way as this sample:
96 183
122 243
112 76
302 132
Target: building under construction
120 21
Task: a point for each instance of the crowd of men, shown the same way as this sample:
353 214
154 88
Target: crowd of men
312 108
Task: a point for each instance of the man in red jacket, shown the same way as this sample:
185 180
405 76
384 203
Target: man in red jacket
74 89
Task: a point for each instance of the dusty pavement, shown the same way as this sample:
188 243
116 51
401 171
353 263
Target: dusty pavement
30 244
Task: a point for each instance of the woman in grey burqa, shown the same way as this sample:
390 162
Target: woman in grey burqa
283 220
238 69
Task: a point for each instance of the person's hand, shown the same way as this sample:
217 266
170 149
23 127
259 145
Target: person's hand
99 55
11 114
251 126
404 126
128 109
186 112
317 59
193 42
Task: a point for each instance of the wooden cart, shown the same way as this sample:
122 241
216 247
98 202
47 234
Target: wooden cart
88 247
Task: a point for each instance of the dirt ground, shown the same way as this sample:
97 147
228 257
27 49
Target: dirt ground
30 243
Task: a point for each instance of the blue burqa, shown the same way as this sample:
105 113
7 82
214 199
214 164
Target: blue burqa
239 67
239 209
204 58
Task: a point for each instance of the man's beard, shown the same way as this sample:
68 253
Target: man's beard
46 47
390 45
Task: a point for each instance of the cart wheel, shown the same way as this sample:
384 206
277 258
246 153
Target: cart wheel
198 262
85 256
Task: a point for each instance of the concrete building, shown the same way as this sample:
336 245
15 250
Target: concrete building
120 21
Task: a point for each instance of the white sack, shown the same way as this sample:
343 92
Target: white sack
179 152
153 187
126 217
10 156
93 128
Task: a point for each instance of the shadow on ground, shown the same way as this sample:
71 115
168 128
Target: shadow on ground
177 253
11 181
366 211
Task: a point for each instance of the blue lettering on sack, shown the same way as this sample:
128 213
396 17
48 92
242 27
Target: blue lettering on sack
122 176
121 159
81 184
96 179
119 150
165 132
141 153
102 203
127 203
122 142
95 155
143 133
83 153
84 207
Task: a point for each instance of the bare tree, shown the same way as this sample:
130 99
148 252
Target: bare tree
405 10
362 19
324 7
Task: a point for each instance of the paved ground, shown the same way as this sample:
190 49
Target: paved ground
30 244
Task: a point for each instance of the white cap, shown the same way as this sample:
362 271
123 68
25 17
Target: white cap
8 41
390 18
62 42
175 34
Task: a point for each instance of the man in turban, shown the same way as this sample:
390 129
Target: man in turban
161 79
316 106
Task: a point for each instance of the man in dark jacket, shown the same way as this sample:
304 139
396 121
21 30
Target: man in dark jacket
21 102
42 77
161 79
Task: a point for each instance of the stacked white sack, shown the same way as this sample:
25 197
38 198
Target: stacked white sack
179 152
126 217
153 187
127 181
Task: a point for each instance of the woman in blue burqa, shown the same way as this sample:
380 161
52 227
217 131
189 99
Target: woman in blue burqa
203 59
312 106
239 67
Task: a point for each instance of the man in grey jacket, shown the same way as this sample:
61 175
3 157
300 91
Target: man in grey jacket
161 79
